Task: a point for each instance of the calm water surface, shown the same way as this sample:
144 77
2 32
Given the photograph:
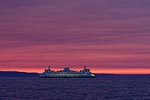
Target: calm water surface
118 88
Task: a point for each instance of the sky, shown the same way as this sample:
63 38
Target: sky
109 36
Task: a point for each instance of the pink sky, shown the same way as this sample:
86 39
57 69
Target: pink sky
108 36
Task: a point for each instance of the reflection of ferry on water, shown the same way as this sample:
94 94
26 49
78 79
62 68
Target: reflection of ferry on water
67 73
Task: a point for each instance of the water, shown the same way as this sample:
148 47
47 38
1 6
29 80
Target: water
104 88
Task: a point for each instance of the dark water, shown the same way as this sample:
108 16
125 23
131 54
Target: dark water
110 88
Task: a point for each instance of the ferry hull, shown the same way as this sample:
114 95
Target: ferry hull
67 76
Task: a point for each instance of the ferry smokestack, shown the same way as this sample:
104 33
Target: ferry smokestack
49 67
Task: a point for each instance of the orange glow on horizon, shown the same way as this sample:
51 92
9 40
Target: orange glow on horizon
94 70
122 70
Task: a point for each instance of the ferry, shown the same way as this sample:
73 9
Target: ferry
67 73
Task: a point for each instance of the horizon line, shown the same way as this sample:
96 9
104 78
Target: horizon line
93 70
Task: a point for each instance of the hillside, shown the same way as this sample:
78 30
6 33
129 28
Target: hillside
17 74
